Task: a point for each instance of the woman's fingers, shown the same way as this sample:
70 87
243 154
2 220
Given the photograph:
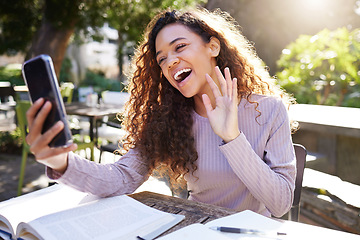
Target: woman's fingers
207 103
33 110
40 141
234 91
228 82
221 80
225 82
50 152
52 132
37 118
213 86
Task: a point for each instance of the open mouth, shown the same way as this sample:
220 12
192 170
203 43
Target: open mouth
182 74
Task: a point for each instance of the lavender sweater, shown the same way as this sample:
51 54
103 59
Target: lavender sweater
255 171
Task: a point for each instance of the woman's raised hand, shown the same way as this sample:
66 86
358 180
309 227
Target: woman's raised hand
56 158
224 117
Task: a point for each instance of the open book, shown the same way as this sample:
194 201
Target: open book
60 212
267 228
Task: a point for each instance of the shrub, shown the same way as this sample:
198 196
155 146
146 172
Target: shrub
100 82
323 69
11 142
12 73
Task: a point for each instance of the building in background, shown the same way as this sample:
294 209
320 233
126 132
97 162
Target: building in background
94 55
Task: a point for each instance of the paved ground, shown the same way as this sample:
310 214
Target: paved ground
9 175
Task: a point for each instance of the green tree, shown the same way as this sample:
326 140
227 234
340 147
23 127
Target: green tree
45 26
131 17
273 24
322 69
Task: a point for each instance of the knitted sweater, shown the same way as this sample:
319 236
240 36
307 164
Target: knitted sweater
255 171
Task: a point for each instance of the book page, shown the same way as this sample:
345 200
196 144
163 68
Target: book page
4 236
270 227
45 201
5 228
119 217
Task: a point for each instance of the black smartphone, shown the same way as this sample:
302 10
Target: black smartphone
41 80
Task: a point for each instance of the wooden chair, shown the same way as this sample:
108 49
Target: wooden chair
300 153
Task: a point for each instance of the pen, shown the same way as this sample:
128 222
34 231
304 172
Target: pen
243 230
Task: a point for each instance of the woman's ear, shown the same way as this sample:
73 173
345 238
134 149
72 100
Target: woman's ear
214 46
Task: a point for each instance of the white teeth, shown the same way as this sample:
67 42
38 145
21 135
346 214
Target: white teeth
177 74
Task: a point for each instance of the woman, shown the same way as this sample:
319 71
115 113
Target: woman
229 137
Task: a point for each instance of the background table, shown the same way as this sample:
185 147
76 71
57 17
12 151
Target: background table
93 113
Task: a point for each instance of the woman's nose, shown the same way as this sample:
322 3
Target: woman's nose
173 61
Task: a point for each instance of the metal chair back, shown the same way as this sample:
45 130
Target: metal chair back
300 153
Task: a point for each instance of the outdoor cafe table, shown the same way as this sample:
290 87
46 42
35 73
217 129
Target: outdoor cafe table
195 212
93 113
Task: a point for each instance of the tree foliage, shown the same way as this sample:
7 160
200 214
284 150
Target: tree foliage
46 26
323 68
130 18
19 20
274 24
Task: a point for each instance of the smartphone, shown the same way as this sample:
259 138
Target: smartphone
41 80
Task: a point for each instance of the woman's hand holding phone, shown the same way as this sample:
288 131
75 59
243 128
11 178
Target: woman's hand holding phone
55 158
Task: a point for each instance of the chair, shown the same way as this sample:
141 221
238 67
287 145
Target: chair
111 130
300 153
7 97
112 133
67 90
21 108
83 92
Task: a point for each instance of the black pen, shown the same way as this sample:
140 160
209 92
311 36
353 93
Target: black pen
243 230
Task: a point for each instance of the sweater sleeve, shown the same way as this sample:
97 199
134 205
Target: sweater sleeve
270 178
121 177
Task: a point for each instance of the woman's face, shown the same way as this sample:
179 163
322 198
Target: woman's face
185 58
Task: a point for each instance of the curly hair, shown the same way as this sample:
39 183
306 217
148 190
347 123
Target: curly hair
158 117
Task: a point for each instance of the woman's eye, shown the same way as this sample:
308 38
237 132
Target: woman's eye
161 60
180 46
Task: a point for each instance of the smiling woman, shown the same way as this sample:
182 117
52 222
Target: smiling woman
186 60
203 108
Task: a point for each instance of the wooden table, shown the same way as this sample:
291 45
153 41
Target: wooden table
202 213
194 212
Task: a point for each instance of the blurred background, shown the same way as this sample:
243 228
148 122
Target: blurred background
311 47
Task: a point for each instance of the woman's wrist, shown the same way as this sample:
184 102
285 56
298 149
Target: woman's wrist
231 137
59 164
